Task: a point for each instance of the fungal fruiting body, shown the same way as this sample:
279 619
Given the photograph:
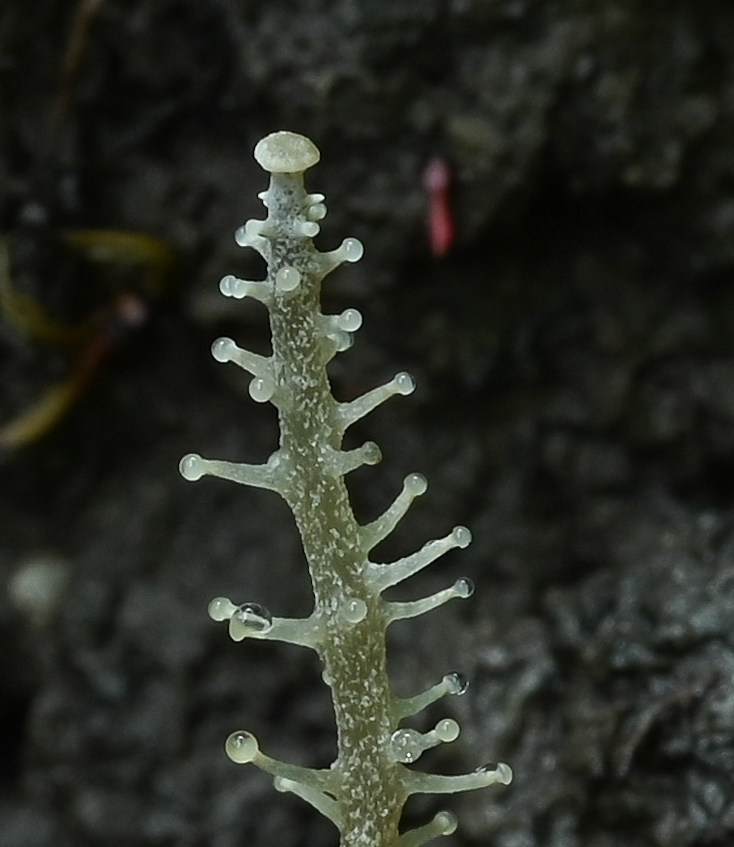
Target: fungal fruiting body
365 789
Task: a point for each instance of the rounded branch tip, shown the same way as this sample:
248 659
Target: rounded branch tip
241 747
310 229
461 536
406 745
222 349
191 467
504 772
457 683
464 588
286 153
221 609
404 383
261 389
352 249
371 453
353 611
447 730
287 279
350 320
446 822
415 484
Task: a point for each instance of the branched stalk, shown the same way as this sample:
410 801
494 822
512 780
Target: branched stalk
365 790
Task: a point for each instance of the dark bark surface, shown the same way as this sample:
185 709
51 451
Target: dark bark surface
575 407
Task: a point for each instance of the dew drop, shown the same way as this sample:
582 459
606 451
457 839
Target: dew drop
352 249
191 467
261 389
287 279
350 320
404 383
241 747
222 349
415 484
457 681
406 745
253 617
447 822
221 608
240 236
489 767
447 730
461 536
464 587
501 770
354 610
310 229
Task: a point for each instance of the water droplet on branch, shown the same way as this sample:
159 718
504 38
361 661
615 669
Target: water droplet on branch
254 616
406 745
458 682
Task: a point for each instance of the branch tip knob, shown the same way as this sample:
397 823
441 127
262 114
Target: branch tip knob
286 153
241 747
191 467
447 822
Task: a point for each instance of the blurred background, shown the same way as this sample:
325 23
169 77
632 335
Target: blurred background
565 299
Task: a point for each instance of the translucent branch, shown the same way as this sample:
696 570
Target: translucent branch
344 461
349 413
225 350
336 341
413 486
350 250
328 807
316 199
462 588
251 620
429 783
319 780
350 320
337 332
242 748
452 683
381 576
444 823
253 234
194 467
262 387
232 286
407 745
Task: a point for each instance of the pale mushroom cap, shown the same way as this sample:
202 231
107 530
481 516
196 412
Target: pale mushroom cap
286 153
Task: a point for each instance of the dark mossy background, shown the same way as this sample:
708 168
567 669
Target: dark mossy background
575 364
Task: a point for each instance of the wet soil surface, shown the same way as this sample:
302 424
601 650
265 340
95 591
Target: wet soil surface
575 406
